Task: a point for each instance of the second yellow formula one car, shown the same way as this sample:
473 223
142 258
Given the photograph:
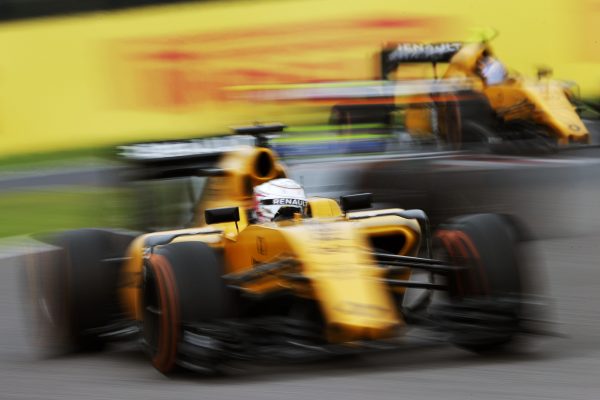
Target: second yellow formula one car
502 106
319 278
470 97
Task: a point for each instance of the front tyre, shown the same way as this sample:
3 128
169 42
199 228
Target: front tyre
182 286
483 312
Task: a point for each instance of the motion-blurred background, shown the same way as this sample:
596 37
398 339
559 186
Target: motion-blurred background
90 73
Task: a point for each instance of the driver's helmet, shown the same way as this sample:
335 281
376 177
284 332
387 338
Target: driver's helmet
492 70
279 199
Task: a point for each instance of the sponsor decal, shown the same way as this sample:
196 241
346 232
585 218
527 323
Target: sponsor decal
524 107
261 246
290 202
333 240
424 52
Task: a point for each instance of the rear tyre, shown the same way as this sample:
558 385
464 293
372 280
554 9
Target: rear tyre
465 119
182 286
484 310
73 289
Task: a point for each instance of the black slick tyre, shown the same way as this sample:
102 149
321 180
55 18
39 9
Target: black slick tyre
73 289
465 119
483 311
182 286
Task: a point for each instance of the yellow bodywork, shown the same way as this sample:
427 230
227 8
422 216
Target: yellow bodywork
542 101
331 250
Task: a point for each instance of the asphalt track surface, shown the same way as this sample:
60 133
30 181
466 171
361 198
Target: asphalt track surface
546 368
565 367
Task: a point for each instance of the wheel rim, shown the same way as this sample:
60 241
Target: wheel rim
160 305
460 251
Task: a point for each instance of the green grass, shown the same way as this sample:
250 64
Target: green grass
327 138
62 208
328 128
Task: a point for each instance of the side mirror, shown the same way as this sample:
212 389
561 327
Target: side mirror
356 201
420 216
417 214
225 214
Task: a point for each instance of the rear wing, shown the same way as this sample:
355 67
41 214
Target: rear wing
191 157
392 56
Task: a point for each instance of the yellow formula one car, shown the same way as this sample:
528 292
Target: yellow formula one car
501 107
327 278
467 96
